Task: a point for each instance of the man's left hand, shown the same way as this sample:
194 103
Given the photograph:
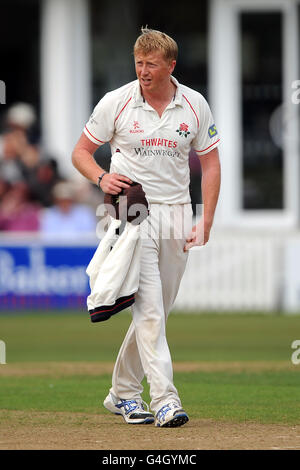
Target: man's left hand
199 235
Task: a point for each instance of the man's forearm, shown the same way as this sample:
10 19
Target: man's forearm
211 179
85 163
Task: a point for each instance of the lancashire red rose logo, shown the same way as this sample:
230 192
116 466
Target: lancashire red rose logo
183 129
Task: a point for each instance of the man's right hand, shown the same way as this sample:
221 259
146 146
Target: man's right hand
113 183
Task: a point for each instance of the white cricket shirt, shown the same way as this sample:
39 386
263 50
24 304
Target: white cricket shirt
154 151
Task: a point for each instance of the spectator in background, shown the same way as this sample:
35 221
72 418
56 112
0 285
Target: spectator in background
20 155
17 152
4 187
9 156
30 182
42 180
67 218
20 116
17 211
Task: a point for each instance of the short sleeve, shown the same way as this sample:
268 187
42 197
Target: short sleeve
207 137
101 125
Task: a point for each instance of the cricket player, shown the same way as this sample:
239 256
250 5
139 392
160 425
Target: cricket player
151 124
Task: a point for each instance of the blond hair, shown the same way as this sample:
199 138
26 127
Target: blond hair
151 40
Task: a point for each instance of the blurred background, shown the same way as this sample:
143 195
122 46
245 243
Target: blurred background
59 57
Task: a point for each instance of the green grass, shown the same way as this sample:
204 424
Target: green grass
271 397
264 396
268 397
205 337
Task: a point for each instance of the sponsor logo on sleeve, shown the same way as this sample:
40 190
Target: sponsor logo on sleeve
212 131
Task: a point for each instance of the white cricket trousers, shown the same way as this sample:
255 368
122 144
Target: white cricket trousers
145 350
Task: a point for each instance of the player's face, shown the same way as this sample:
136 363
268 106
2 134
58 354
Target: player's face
153 71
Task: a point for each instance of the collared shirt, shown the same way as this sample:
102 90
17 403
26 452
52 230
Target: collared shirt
153 150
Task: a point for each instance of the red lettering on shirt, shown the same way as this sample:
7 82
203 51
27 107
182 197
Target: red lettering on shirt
157 142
